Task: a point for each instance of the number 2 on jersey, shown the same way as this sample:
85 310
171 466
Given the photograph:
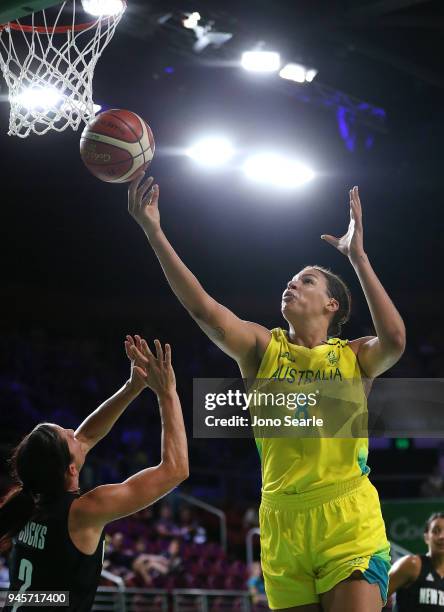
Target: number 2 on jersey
25 574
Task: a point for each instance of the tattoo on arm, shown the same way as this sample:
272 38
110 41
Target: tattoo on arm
219 332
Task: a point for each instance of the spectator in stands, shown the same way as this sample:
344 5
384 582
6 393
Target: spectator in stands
173 557
139 546
120 559
117 553
434 485
189 528
165 526
256 585
148 567
134 561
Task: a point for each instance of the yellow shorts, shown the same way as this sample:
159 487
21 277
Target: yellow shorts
313 540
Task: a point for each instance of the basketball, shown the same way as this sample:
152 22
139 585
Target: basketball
116 144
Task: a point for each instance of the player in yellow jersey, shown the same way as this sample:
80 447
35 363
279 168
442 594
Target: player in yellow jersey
323 540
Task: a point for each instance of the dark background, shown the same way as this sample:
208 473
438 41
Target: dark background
78 274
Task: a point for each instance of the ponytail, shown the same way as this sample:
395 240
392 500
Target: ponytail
15 511
38 466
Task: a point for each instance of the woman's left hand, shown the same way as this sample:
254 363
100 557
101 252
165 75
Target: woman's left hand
138 371
351 244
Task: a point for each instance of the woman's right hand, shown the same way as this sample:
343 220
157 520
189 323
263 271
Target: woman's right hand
143 203
159 373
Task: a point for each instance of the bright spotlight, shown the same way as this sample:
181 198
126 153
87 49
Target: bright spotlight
42 98
211 151
261 61
298 73
311 73
103 8
191 21
276 170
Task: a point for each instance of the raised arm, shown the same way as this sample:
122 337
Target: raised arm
376 354
243 341
109 502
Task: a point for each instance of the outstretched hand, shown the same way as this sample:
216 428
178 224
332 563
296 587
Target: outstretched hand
143 203
154 371
138 371
351 244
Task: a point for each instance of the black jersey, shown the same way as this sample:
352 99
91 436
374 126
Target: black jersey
44 558
425 594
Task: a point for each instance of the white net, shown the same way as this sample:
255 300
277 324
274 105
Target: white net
49 67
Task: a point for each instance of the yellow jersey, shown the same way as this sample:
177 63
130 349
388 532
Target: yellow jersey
297 464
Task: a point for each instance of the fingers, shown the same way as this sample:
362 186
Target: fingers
355 205
141 192
144 188
139 349
128 343
151 198
354 197
136 354
141 373
168 354
159 350
154 200
132 189
138 343
330 239
146 349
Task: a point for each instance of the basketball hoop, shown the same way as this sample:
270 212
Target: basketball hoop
49 67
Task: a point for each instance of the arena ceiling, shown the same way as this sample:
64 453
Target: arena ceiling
375 49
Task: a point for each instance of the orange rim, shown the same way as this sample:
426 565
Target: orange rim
79 27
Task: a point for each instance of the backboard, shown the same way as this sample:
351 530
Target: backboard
15 9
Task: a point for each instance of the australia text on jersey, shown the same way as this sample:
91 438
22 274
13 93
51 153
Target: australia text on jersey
293 375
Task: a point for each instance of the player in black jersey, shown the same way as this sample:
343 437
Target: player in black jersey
56 533
418 580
